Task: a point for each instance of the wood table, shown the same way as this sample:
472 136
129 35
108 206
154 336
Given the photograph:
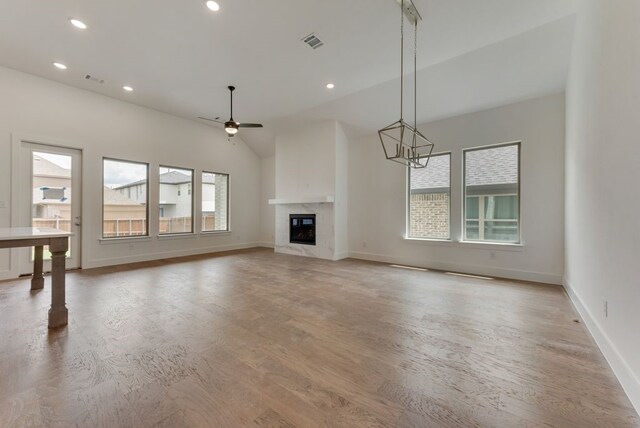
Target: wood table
58 242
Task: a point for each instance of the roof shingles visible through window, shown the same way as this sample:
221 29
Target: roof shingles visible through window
498 165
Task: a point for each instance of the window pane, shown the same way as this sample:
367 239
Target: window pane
429 199
215 199
491 194
176 201
124 203
51 203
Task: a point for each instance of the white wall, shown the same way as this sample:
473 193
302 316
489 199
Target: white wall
102 126
377 195
267 191
602 177
341 204
305 161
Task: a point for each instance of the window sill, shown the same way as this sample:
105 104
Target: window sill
495 246
446 242
124 239
215 232
176 236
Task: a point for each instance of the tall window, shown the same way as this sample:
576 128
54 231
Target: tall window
215 202
176 200
492 194
125 188
430 199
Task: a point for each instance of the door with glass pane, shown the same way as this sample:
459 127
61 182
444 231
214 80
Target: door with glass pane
50 197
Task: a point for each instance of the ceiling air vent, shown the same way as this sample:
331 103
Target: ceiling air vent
313 41
94 79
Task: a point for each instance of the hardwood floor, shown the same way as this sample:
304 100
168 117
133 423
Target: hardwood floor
253 338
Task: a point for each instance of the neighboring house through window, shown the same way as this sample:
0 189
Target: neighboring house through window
215 202
430 199
124 198
492 194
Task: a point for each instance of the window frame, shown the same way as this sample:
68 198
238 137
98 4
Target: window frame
408 202
193 200
228 229
464 239
146 235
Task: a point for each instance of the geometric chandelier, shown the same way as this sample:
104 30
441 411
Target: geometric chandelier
402 142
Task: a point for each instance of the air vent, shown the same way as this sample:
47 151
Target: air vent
94 79
313 41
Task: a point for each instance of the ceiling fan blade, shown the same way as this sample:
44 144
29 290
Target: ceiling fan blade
211 120
250 125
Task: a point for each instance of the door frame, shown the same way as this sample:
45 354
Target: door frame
16 157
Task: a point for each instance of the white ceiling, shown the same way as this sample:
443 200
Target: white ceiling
180 57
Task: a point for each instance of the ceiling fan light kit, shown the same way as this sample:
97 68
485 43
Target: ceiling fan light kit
401 142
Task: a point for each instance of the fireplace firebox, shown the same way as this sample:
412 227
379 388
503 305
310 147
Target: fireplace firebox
302 229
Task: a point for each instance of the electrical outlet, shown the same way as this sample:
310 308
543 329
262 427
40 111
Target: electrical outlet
492 255
3 204
364 244
606 309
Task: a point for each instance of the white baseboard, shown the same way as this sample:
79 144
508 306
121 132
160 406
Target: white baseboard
340 256
266 244
113 261
521 275
621 369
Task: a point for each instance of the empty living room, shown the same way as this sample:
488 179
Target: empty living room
319 213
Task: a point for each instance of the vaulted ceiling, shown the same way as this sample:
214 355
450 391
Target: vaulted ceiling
179 56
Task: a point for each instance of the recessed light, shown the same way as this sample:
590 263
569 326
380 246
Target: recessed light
330 86
214 6
59 65
78 24
127 88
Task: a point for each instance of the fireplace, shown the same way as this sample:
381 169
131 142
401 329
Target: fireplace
302 229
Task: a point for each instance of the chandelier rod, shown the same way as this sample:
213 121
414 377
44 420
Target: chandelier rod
415 76
401 58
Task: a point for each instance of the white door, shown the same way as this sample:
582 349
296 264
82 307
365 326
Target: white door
50 196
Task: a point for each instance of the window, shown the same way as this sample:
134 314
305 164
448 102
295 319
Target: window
175 205
215 202
492 194
124 198
430 199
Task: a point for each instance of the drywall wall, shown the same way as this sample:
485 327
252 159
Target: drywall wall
377 195
602 175
267 191
305 161
46 111
341 205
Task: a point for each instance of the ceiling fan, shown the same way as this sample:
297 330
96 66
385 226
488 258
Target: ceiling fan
231 126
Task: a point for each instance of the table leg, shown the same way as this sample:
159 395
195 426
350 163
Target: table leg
37 281
58 313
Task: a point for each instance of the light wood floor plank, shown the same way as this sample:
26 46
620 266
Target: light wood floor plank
253 338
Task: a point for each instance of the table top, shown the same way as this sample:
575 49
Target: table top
11 233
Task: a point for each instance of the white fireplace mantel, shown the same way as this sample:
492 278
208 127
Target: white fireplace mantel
310 200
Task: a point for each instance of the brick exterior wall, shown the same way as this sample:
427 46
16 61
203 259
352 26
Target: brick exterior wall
429 216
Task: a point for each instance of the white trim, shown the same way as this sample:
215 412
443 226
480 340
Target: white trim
340 256
521 275
266 244
124 239
630 383
312 200
114 261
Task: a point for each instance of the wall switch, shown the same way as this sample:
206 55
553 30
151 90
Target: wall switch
3 204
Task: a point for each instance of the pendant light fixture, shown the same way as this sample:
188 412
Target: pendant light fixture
402 142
